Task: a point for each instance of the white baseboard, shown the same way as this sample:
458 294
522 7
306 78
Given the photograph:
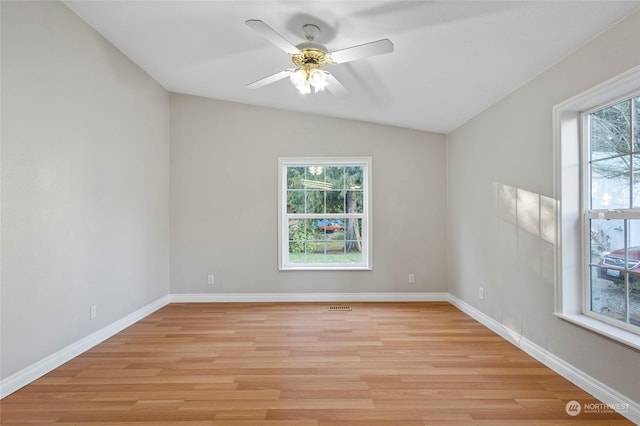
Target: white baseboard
53 361
596 388
309 297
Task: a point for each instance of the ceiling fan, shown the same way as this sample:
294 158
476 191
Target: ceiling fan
310 58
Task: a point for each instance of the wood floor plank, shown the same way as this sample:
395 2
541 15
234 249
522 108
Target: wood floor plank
286 364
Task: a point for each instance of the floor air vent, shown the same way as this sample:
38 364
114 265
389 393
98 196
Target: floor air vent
340 308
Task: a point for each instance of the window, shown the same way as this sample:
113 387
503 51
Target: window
597 187
324 217
612 212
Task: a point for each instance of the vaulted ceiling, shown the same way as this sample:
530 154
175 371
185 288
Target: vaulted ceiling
452 59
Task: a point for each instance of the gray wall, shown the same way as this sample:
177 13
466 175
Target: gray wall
224 171
502 215
85 183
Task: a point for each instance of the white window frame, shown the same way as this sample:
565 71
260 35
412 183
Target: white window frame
572 282
590 213
284 216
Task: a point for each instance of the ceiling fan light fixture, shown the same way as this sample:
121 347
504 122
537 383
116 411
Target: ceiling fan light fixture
303 79
304 88
298 77
310 57
318 80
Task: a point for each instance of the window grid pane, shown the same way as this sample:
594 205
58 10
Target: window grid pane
325 213
610 183
611 131
614 260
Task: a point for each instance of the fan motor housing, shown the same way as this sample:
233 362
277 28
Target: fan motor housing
312 55
311 58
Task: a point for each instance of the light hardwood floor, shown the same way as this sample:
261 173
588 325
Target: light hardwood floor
300 364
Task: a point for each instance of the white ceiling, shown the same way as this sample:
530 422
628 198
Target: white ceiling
452 59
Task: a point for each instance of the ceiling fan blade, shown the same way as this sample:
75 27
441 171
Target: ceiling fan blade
270 34
362 51
268 80
336 88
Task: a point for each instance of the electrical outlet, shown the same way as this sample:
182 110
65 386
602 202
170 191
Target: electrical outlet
93 312
412 278
481 293
210 279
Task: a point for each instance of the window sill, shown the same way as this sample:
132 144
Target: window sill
623 336
325 268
